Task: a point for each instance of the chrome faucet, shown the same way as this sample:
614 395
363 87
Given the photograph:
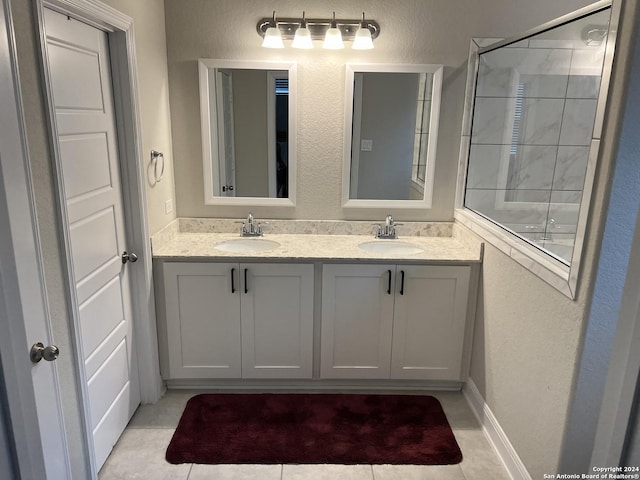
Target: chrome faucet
388 230
250 228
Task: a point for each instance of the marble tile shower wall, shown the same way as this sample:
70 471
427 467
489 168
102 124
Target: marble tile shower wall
534 116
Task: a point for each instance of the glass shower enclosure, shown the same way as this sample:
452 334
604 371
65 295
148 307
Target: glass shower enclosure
532 130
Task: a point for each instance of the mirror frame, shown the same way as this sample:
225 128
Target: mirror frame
436 93
206 70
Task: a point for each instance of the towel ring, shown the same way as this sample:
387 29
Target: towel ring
155 155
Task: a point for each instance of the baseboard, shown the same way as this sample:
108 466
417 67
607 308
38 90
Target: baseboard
494 433
317 385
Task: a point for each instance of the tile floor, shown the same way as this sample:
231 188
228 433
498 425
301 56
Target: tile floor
139 454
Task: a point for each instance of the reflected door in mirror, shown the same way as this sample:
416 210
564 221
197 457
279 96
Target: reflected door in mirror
252 112
248 129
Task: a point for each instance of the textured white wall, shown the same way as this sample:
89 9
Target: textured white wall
412 31
151 53
529 339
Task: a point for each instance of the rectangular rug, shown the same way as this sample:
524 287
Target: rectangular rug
313 429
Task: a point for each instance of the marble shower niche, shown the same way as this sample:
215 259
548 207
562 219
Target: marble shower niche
533 129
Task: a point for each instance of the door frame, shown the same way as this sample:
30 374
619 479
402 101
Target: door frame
622 381
36 428
120 30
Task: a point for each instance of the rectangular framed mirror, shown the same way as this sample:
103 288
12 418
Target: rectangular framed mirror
391 132
248 122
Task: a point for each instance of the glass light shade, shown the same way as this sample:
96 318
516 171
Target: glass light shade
302 38
272 38
333 39
362 41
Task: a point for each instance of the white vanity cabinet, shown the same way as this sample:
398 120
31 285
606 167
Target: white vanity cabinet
394 321
238 320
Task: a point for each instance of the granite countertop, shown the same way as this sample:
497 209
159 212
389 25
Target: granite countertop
318 247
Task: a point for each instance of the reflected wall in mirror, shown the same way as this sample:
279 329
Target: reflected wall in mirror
247 112
391 130
533 135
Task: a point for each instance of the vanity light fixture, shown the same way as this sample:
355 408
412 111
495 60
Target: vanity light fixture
302 39
272 36
331 31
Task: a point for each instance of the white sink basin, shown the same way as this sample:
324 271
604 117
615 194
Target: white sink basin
247 245
391 247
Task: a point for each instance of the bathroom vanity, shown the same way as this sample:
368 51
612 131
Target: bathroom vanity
314 310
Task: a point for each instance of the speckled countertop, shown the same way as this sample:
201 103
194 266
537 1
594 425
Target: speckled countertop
185 246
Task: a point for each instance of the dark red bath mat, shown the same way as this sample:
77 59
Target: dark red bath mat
312 429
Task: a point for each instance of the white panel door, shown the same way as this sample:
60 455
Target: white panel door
79 67
277 320
429 322
32 408
202 304
357 320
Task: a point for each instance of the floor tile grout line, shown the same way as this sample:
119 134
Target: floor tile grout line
373 473
464 476
189 472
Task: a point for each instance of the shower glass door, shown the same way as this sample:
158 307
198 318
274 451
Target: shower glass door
533 128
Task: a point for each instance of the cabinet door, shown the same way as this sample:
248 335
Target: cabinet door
357 318
429 322
277 320
203 320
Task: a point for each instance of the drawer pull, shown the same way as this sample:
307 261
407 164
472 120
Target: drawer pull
389 284
233 285
401 282
246 287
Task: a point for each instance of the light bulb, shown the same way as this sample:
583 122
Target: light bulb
272 37
362 41
333 37
302 38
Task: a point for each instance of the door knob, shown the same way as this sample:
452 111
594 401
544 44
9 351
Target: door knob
129 257
39 351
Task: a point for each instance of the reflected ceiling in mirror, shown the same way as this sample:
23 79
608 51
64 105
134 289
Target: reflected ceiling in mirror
391 130
248 121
